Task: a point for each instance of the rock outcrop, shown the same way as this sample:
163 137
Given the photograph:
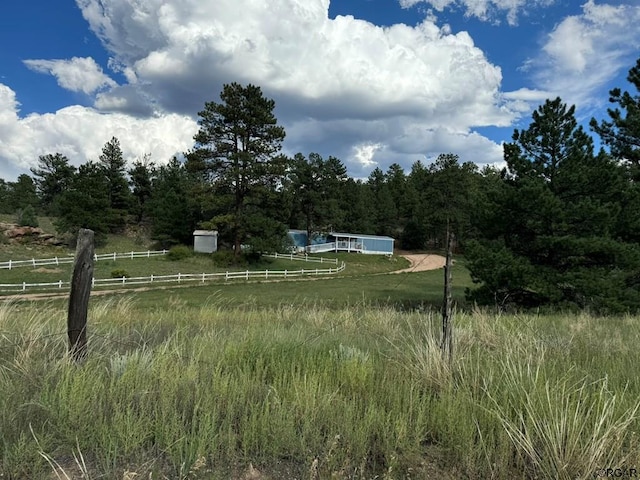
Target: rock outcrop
14 233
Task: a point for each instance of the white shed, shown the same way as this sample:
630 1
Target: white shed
205 241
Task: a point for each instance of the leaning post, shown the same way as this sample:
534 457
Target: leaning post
447 316
79 295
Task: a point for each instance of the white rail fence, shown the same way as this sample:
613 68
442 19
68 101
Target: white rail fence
179 278
303 258
39 262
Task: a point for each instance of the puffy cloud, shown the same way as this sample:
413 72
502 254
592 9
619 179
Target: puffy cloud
77 74
356 85
80 133
585 52
369 95
488 10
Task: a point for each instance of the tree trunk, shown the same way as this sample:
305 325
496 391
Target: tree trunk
79 295
447 320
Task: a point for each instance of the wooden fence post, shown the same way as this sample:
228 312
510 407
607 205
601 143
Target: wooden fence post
79 295
447 317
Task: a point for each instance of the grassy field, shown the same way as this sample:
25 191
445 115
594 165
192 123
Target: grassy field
176 390
338 378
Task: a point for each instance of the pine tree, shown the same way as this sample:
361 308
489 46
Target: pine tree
554 235
114 168
238 145
52 177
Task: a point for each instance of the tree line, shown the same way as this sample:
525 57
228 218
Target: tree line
559 225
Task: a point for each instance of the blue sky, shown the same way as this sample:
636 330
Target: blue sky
371 82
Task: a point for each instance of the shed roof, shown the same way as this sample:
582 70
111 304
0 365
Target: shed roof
210 233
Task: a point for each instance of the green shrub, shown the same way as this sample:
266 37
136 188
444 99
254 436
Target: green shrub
119 273
179 252
27 217
226 258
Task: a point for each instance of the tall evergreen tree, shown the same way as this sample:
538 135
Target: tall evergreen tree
622 132
554 225
141 176
357 204
239 144
316 185
449 196
169 207
386 214
114 168
21 194
622 135
52 176
5 194
85 204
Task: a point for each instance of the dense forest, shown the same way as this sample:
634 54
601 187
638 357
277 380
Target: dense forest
559 225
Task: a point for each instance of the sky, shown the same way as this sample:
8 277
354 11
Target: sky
371 82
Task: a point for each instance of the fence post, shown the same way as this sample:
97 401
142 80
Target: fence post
178 277
285 273
57 263
148 253
24 286
79 295
152 278
226 276
33 260
9 264
124 280
202 277
246 275
114 256
59 283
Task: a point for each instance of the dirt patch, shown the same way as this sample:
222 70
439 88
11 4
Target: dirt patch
421 262
47 270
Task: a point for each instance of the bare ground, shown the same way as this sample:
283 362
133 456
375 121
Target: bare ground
421 262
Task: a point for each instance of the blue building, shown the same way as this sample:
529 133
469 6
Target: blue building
342 242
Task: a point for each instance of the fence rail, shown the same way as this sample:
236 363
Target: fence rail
303 258
38 262
179 278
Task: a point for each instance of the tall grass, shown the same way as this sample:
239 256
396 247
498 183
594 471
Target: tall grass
232 391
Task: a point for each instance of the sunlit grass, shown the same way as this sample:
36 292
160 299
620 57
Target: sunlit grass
185 391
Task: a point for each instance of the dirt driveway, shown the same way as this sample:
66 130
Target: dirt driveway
422 262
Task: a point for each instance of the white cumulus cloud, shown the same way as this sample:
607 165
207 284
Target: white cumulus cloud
80 133
77 74
349 81
366 94
584 52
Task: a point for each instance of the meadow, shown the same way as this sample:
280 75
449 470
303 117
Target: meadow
219 389
338 378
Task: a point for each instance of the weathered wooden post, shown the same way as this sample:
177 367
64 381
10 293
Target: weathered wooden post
79 295
447 320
